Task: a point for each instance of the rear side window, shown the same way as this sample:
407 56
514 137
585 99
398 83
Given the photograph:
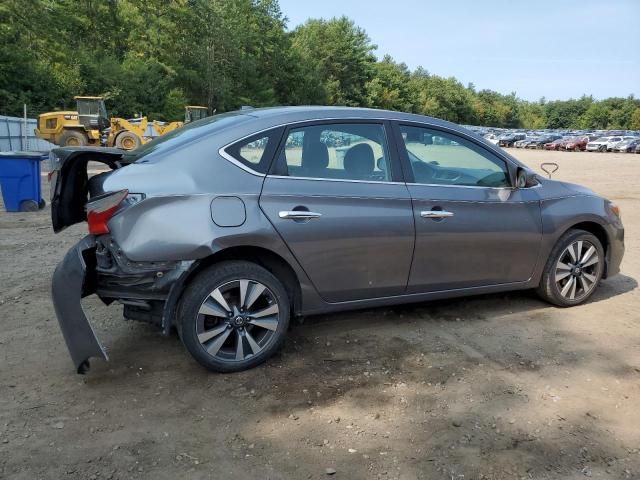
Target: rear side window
350 151
256 152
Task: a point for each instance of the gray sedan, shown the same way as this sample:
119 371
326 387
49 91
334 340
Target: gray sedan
229 227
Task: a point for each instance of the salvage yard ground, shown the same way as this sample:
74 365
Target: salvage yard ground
497 386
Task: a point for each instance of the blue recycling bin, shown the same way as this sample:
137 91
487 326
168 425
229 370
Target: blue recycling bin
20 181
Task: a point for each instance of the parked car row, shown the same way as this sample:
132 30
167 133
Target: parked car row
615 144
572 141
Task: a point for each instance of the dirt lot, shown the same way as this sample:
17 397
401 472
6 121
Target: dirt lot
499 386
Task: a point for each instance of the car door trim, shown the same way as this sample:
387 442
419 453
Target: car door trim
396 150
344 180
472 186
460 186
229 158
386 123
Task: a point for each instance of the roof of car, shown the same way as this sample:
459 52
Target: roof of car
312 112
243 123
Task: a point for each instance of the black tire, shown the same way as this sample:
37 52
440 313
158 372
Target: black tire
220 276
29 206
602 148
73 138
42 203
128 140
549 289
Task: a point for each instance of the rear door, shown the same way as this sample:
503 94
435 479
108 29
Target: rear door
336 197
472 228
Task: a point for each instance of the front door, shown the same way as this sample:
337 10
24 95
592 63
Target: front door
472 228
332 197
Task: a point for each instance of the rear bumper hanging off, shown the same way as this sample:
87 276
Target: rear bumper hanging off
69 285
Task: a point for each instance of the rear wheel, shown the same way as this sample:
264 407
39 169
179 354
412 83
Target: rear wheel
234 316
73 138
128 141
573 270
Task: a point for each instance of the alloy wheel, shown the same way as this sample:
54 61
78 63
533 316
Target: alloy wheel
237 320
577 270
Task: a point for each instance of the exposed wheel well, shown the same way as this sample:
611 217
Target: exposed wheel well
273 262
600 233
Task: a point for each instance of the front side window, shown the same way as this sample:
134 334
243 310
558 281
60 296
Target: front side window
337 151
441 158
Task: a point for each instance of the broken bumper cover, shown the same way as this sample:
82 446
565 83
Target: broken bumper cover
70 283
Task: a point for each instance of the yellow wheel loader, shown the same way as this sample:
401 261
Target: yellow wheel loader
191 114
79 128
90 125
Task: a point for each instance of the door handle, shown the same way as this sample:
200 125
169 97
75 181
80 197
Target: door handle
436 214
298 215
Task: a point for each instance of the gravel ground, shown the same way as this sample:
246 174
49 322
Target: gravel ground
497 386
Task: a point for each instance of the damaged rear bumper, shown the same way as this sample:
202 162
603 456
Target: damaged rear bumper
149 292
70 283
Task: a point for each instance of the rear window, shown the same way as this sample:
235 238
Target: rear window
185 134
256 152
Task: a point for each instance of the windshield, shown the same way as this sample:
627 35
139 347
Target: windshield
91 107
188 132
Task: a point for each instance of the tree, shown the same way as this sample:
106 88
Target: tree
389 87
340 55
635 119
566 113
440 97
597 116
153 56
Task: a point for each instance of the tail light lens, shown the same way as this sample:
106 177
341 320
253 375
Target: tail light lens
101 209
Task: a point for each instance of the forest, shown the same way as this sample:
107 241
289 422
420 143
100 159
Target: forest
152 57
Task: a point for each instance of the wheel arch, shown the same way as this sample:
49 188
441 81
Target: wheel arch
266 258
600 233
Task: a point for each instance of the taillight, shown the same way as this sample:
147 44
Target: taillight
101 209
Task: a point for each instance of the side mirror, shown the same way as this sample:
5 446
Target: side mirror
525 178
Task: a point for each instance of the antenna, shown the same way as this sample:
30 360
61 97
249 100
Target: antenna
551 170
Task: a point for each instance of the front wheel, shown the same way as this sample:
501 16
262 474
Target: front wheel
234 316
573 270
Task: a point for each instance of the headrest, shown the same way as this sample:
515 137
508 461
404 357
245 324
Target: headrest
315 156
359 160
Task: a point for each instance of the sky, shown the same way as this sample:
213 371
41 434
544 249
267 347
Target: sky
537 48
